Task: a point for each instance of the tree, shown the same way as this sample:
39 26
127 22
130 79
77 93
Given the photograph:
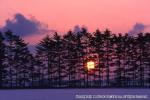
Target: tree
98 44
140 60
120 60
45 54
107 54
119 49
58 48
71 58
2 60
146 59
18 61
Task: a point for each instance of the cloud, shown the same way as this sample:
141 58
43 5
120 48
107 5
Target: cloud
78 29
137 28
23 26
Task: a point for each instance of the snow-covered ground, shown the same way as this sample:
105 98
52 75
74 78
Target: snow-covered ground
71 94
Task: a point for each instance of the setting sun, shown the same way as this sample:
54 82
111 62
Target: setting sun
90 65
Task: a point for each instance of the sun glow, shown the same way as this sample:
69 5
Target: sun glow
90 65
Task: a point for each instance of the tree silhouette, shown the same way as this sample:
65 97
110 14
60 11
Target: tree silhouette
2 60
107 54
98 43
61 61
119 48
18 60
140 49
71 58
45 55
58 48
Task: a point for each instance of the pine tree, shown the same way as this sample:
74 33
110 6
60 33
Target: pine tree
119 48
2 60
86 55
107 54
45 54
58 48
18 60
98 43
146 56
142 53
80 54
70 59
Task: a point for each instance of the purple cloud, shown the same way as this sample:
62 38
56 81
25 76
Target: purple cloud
23 26
137 28
78 29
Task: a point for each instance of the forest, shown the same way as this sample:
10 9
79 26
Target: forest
59 61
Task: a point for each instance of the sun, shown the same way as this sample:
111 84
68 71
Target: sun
90 65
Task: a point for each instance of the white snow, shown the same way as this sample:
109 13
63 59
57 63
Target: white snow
68 94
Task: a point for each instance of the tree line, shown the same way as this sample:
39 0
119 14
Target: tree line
120 60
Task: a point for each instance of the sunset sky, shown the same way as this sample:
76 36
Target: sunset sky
63 15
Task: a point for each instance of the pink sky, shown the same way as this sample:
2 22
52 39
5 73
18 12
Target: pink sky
62 15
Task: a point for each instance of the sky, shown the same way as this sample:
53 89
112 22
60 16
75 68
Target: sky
33 19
